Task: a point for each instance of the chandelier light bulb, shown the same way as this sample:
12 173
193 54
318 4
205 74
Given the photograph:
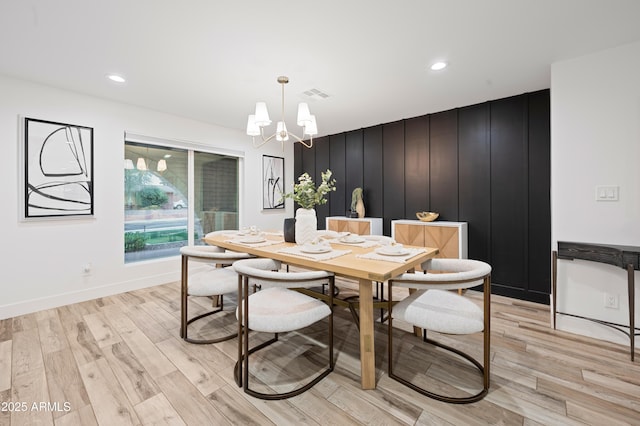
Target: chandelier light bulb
281 132
262 115
311 128
304 116
252 128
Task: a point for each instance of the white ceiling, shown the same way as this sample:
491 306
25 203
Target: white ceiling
212 60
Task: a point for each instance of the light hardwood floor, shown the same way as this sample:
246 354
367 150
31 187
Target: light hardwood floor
119 360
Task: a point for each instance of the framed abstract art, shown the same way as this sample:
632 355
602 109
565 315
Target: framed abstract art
272 182
58 169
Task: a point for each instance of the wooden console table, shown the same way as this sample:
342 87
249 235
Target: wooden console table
625 257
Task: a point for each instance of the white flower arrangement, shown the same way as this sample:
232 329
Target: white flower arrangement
307 195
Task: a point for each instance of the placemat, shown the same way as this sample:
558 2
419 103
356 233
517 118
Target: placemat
297 251
364 244
239 241
397 259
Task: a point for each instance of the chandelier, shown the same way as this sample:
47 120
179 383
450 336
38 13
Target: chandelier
258 121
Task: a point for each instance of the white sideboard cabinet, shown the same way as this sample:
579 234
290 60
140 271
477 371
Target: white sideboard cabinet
364 226
449 237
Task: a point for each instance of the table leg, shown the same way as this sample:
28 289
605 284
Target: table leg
367 345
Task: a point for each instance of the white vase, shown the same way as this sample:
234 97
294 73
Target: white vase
306 225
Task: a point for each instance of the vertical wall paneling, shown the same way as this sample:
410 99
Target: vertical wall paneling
416 165
354 164
539 192
393 163
509 192
308 161
337 155
372 171
443 169
323 162
486 164
474 179
298 168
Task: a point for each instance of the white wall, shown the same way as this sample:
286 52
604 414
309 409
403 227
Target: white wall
595 139
42 261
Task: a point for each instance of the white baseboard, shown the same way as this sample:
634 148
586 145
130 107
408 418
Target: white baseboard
42 303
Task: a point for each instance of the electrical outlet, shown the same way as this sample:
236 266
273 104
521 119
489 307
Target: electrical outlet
611 301
86 268
607 192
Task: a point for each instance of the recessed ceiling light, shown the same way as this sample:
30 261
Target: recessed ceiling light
116 78
438 66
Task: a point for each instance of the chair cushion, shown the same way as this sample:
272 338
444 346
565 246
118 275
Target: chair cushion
446 274
212 254
200 250
441 311
256 265
265 273
279 310
213 282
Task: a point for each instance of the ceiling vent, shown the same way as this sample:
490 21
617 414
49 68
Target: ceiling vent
315 94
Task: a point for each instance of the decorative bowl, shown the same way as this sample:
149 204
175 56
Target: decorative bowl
427 216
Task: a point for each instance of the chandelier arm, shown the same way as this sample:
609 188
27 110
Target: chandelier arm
298 139
308 145
264 140
257 145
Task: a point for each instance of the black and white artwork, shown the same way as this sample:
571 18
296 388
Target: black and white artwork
58 169
272 182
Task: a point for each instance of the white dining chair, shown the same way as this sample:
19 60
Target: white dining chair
214 282
276 309
434 307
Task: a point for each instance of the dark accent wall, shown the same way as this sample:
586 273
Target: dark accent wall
416 164
372 171
393 186
474 178
486 164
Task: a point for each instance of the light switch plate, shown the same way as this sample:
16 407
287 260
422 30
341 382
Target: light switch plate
607 192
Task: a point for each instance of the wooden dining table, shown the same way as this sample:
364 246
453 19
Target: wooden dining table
349 265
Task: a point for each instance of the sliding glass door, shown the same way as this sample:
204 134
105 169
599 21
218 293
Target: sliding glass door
174 196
